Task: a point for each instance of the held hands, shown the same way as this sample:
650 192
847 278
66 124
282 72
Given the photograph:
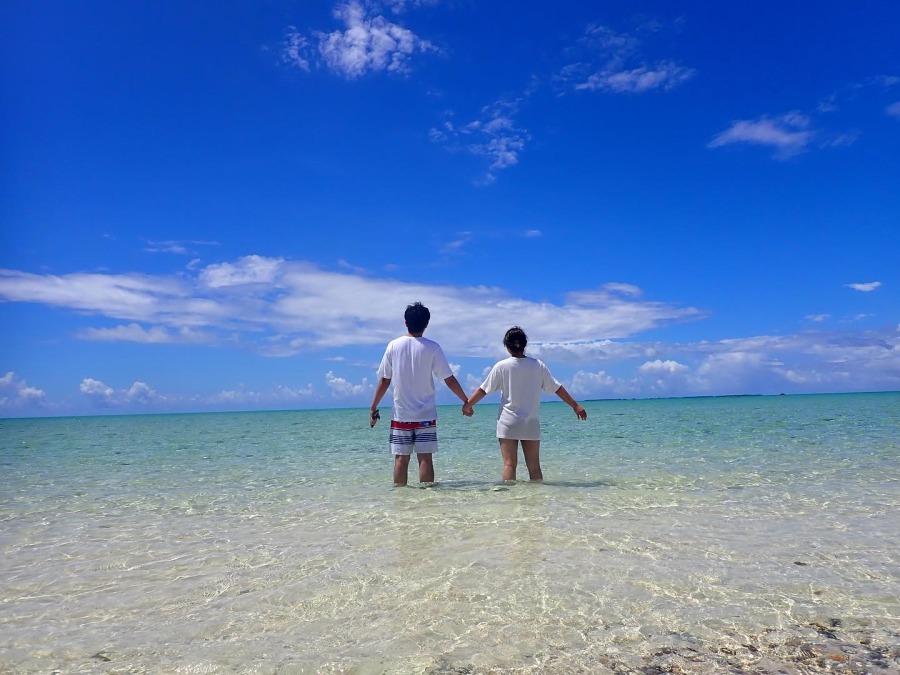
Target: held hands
468 409
374 416
580 411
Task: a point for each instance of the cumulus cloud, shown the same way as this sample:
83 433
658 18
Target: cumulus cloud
16 392
611 61
102 395
590 384
867 287
368 43
789 134
668 367
342 388
814 361
893 110
97 391
140 392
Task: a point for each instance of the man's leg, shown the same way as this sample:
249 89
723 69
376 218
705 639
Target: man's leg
509 451
401 469
426 467
532 452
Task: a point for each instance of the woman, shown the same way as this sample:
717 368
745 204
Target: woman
520 379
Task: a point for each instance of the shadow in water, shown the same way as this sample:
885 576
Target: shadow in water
495 485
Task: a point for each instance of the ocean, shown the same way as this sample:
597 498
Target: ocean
737 534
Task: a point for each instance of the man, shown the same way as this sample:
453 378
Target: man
409 363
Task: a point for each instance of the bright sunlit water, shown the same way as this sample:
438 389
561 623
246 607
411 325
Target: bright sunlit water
710 535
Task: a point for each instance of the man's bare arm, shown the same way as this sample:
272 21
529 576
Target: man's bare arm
380 391
456 387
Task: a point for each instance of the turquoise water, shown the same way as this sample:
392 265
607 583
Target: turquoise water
708 535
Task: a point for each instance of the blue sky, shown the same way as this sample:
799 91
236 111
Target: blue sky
228 207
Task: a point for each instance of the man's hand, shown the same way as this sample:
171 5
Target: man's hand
374 416
580 411
468 409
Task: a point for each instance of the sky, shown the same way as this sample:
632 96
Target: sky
228 206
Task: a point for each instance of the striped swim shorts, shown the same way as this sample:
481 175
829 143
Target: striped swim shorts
409 436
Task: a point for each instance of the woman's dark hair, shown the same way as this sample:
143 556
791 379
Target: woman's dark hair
515 340
417 317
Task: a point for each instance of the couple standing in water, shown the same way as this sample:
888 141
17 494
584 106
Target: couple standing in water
411 361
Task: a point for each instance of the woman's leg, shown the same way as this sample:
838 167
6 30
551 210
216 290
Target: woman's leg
509 451
532 452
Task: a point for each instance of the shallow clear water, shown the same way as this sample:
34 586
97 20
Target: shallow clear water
710 535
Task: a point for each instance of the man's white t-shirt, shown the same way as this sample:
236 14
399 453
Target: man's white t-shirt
520 381
409 363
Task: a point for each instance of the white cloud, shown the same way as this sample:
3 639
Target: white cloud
400 6
251 269
291 394
472 382
276 306
789 134
122 296
592 384
457 244
102 395
295 49
893 110
664 76
281 307
96 390
153 335
277 396
660 366
342 388
16 392
494 135
368 43
611 61
622 289
176 247
807 362
350 267
865 287
531 234
818 318
140 392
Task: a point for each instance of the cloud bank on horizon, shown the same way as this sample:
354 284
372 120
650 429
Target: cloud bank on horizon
279 309
668 210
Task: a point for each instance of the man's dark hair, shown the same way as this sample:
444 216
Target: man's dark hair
417 317
515 340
